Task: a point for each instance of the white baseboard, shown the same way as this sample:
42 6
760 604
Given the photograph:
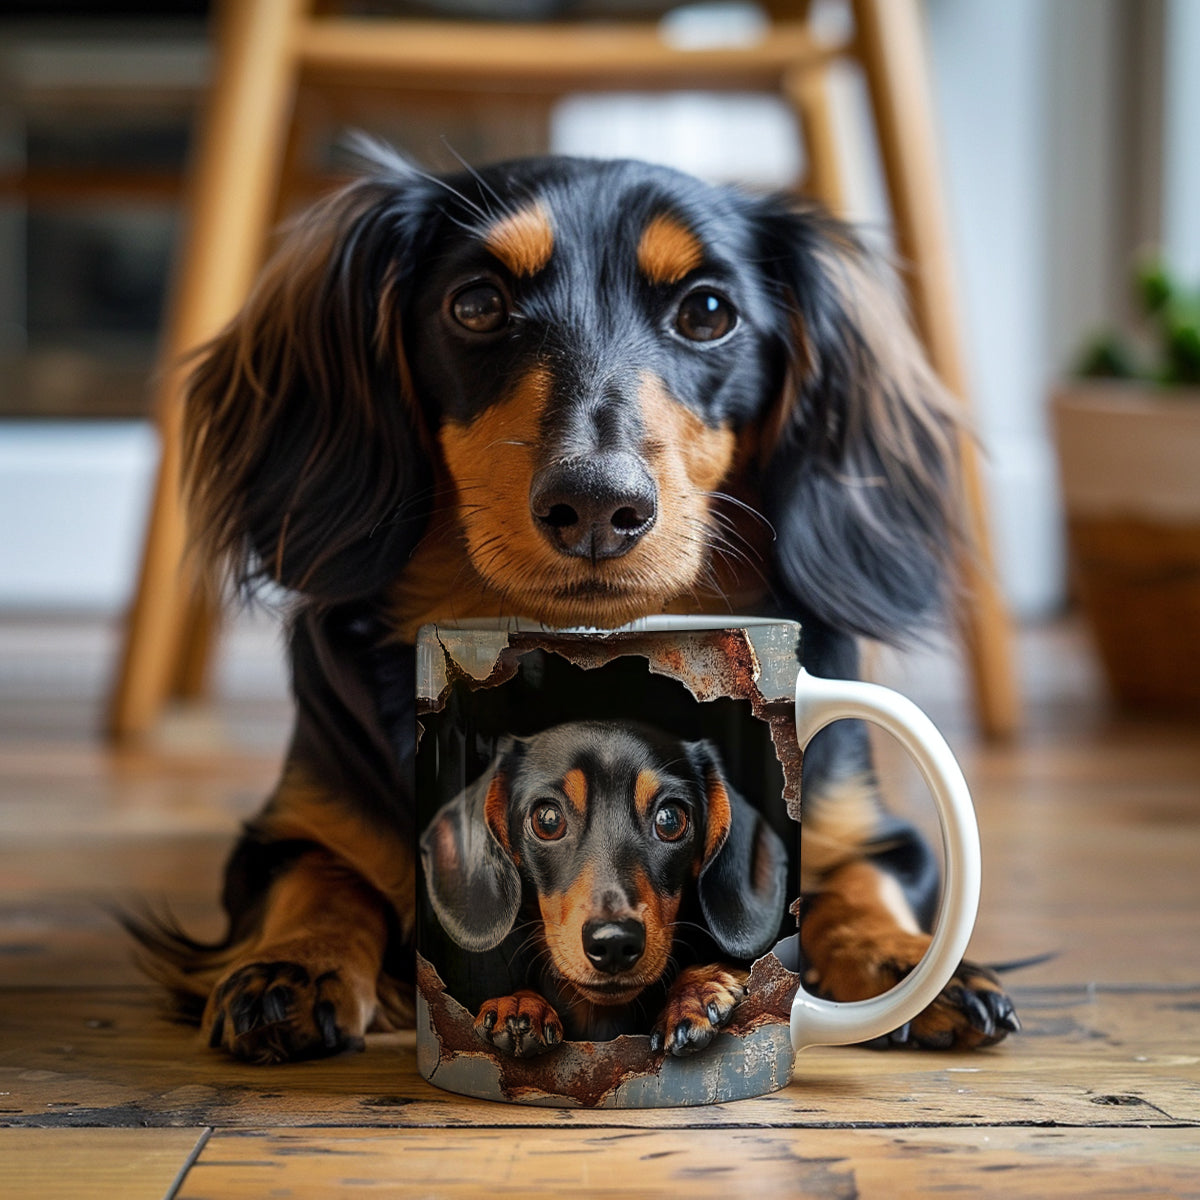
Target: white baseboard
73 495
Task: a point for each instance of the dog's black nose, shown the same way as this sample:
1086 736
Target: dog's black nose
594 507
614 946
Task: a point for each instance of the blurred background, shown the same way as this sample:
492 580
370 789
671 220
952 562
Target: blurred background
1068 145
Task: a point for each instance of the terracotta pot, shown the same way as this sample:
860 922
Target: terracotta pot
1129 455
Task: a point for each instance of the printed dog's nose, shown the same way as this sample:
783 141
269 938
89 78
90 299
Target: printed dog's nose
594 507
614 946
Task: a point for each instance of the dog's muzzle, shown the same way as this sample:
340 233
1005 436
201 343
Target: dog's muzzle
597 508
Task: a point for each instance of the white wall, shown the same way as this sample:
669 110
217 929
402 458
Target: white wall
1181 118
991 69
72 502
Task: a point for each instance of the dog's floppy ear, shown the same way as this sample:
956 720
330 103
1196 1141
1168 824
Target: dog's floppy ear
302 441
473 883
860 475
743 875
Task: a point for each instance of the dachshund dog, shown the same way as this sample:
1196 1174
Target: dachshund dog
580 392
631 857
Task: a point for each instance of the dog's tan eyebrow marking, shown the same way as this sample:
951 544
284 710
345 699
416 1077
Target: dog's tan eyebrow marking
668 250
645 788
523 241
575 785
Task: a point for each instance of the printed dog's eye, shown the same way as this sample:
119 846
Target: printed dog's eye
548 821
705 316
481 308
671 822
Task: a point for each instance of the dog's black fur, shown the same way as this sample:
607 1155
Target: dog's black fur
581 392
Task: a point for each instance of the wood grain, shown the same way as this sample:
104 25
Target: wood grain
67 1164
466 57
108 1058
668 1164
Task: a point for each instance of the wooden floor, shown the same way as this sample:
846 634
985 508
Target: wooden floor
1091 829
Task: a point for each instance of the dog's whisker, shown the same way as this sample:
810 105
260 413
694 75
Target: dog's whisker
446 186
732 553
677 925
484 187
748 509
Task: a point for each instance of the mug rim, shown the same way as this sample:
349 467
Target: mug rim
656 623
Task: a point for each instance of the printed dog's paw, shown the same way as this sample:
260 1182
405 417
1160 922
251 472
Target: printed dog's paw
700 1003
972 1009
279 1011
523 1024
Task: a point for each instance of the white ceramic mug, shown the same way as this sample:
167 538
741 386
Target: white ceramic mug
504 810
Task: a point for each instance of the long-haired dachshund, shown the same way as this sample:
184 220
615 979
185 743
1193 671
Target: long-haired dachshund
635 864
580 392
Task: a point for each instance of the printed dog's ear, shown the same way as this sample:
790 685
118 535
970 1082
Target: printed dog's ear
302 441
743 876
473 883
861 457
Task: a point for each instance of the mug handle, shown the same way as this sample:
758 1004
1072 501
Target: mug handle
819 702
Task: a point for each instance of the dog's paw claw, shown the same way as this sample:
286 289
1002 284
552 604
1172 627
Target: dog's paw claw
522 1025
273 1012
699 1005
972 1010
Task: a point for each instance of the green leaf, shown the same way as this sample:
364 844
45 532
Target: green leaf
1182 350
1154 287
1107 357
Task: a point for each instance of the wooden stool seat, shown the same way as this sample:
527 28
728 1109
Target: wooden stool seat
478 57
266 49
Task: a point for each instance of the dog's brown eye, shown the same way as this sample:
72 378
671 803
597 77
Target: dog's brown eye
670 822
705 316
548 822
481 308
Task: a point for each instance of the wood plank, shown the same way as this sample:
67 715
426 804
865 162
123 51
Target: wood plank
1102 1058
66 1164
667 1164
474 56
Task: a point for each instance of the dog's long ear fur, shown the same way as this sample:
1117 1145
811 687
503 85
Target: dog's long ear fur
743 878
473 883
861 471
303 462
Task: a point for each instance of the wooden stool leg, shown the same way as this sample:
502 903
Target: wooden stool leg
197 640
234 187
807 90
892 50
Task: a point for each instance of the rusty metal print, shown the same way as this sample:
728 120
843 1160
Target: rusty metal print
728 691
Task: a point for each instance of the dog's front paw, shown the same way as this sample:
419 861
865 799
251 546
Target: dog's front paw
700 1003
523 1024
972 1009
279 1011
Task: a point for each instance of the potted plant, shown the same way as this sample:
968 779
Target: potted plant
1127 427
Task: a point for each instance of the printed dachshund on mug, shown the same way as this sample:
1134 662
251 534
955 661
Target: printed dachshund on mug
579 392
632 860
